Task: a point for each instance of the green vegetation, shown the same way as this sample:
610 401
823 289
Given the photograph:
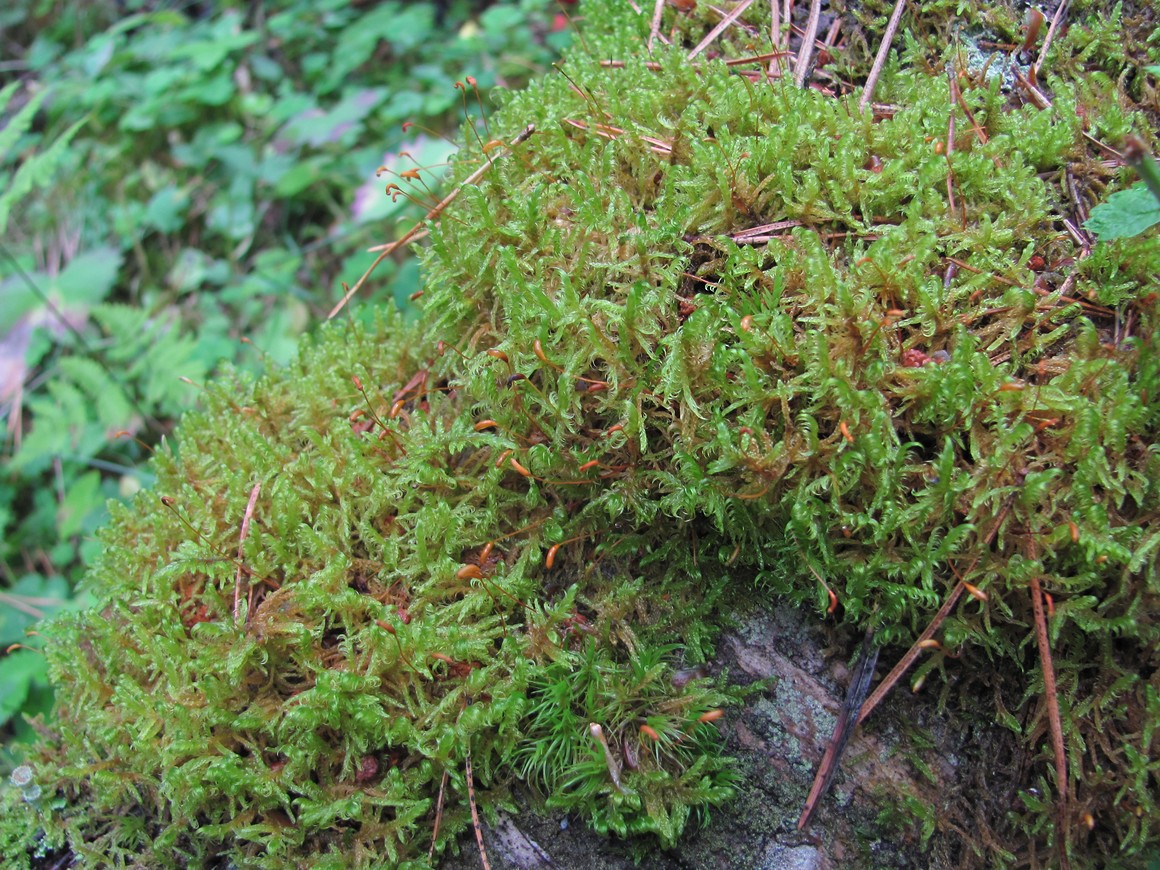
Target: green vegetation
700 331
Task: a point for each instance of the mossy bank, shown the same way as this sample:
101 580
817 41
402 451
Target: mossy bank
702 334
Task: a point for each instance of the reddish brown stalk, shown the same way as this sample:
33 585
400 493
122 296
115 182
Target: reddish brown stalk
241 540
421 226
1053 719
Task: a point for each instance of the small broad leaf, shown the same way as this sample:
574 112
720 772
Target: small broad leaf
1127 213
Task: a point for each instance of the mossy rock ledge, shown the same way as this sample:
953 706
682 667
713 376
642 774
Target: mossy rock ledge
703 339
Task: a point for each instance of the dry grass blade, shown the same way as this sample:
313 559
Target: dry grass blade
880 57
438 817
720 28
943 612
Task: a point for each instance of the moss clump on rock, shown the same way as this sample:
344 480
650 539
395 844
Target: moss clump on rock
696 331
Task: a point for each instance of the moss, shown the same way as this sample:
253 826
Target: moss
472 537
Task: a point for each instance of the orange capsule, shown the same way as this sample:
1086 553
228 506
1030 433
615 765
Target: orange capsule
711 716
486 424
1073 529
590 465
929 643
469 572
396 408
538 350
846 431
938 147
975 591
649 732
519 468
503 457
498 354
747 323
1050 602
551 558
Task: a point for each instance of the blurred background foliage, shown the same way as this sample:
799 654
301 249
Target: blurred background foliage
186 187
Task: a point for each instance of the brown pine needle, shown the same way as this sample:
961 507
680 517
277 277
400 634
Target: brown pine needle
241 540
655 26
843 728
475 812
806 52
720 28
1052 699
880 58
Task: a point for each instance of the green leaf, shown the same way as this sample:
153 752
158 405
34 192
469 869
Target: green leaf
27 601
18 672
1127 213
89 277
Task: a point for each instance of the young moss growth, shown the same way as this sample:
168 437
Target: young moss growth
698 330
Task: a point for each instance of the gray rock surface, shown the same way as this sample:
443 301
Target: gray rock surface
777 738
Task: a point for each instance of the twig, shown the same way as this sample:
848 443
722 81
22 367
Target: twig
807 49
241 540
880 58
721 25
421 226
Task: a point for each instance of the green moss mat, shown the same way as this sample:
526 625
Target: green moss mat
697 331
